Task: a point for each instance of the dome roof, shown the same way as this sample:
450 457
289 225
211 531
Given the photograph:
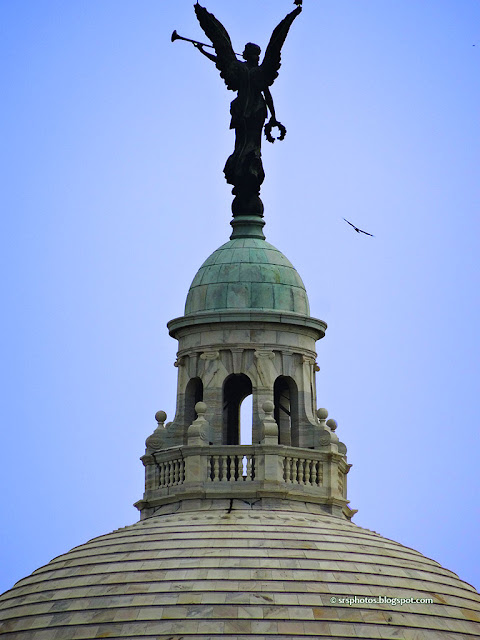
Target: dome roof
248 572
247 273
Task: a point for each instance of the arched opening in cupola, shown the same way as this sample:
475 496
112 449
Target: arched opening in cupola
285 399
235 389
193 394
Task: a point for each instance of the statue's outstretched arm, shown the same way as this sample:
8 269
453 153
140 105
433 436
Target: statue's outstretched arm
208 55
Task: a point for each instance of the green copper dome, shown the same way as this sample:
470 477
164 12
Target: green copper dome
247 273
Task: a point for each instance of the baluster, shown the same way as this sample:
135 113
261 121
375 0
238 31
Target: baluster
320 474
287 468
162 474
176 471
307 466
226 461
314 473
222 468
291 471
249 468
304 471
216 468
300 469
182 472
295 470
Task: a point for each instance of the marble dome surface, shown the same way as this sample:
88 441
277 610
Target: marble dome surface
247 273
247 573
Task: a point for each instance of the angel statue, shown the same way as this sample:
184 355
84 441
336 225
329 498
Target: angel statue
249 110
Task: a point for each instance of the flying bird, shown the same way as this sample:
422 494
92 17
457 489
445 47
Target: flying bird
359 230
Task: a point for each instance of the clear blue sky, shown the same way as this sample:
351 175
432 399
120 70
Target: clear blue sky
112 195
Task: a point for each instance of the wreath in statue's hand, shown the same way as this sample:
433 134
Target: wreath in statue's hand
268 130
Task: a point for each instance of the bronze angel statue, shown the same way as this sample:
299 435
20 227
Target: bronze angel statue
251 80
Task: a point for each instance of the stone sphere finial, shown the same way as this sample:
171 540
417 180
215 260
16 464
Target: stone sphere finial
160 417
332 424
200 409
268 407
322 414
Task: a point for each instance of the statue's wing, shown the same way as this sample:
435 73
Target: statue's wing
271 61
227 62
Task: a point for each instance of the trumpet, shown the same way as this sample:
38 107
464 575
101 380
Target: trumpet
175 36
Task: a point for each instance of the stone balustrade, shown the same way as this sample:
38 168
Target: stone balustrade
301 470
171 473
246 472
231 466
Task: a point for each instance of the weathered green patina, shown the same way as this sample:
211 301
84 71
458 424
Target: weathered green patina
247 273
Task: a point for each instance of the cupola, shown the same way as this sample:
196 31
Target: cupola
246 331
